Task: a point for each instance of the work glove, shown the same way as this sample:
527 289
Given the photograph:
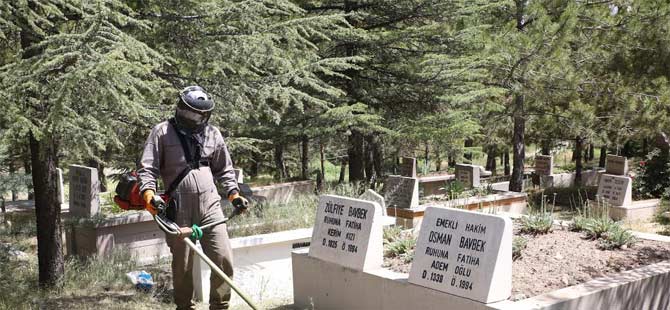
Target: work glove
239 203
152 201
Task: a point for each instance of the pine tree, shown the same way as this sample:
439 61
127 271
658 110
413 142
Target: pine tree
80 76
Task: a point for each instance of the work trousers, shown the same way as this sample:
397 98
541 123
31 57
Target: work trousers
201 208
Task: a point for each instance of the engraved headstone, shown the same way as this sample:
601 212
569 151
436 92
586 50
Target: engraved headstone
371 195
464 253
84 191
615 189
408 167
468 175
348 232
617 165
401 192
544 165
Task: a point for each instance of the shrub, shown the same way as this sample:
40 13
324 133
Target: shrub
595 228
399 243
518 245
537 224
616 238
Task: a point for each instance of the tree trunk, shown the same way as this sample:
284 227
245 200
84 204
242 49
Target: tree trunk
603 156
280 165
645 147
468 154
378 157
506 162
579 150
546 147
343 170
438 159
255 165
304 158
47 211
592 151
369 159
451 161
356 157
426 158
494 167
518 145
27 168
322 158
12 171
490 158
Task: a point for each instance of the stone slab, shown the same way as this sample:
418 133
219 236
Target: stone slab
348 232
239 175
401 192
544 164
636 211
61 191
84 191
465 253
371 195
616 165
615 189
468 175
408 167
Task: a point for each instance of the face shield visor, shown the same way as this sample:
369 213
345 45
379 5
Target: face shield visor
194 108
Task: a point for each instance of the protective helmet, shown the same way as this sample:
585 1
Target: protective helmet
194 108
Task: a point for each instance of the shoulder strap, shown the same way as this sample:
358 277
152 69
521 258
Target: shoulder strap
187 155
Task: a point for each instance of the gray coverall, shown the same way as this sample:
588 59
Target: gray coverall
199 203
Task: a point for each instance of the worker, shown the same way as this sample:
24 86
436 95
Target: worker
189 151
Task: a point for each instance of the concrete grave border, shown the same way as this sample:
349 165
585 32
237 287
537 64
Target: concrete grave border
326 285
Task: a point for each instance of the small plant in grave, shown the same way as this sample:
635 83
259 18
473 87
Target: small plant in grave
399 243
538 223
616 237
518 244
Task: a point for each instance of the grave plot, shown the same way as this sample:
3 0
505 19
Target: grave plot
470 260
464 191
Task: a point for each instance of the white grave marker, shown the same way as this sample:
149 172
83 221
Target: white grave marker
616 189
544 165
348 232
84 191
468 175
371 195
464 253
617 165
401 192
239 176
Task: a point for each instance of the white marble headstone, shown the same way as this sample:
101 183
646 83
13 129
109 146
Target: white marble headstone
616 189
464 253
401 192
544 165
468 175
617 165
84 191
348 232
371 195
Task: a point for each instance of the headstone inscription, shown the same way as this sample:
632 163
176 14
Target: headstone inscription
468 175
371 195
408 167
544 165
348 232
615 189
401 192
84 191
617 165
464 253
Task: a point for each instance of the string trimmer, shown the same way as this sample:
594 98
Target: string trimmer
196 232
